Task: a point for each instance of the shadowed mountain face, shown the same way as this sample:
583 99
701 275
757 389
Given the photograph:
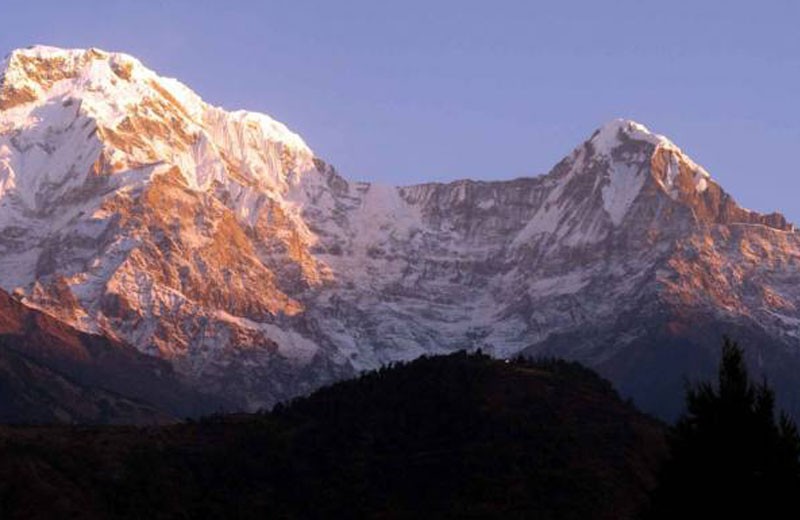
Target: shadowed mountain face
219 243
448 437
50 372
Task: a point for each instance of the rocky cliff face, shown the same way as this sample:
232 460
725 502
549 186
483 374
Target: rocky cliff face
219 242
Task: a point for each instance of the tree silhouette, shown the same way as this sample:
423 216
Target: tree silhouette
729 455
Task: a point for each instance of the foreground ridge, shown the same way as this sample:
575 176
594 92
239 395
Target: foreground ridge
450 436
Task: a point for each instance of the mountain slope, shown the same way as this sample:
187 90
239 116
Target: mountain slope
219 242
31 393
450 437
50 372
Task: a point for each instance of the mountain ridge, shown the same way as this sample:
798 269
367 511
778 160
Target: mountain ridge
220 243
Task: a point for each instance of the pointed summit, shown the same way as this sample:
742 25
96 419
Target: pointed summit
628 148
609 137
613 133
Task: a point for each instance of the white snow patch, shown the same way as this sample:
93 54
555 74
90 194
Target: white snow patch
486 204
701 183
291 345
545 221
270 129
383 214
625 183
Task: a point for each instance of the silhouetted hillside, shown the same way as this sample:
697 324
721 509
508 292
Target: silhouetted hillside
51 372
455 436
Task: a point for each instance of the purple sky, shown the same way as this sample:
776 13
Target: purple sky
405 92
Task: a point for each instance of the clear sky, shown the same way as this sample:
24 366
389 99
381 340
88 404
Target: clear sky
408 91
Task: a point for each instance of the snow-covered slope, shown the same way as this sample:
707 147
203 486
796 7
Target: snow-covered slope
218 241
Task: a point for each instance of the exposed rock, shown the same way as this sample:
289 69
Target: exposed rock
219 242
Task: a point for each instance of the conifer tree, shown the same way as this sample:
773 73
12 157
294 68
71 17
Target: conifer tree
729 455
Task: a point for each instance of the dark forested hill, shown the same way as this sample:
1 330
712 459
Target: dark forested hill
455 436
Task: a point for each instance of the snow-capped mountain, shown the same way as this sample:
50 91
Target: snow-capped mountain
218 241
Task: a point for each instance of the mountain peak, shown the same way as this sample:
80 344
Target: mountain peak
29 74
62 61
611 135
665 158
110 85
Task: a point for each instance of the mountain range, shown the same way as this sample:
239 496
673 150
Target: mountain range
221 257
